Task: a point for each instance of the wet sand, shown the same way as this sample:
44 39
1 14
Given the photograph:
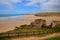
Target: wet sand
10 24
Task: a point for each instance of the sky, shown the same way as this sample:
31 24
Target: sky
28 6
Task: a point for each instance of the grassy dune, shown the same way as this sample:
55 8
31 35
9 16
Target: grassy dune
48 14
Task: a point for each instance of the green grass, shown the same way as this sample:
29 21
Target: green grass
44 31
4 39
57 28
54 38
31 29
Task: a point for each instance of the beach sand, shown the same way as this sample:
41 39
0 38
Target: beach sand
10 24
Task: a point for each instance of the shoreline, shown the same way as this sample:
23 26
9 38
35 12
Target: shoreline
9 17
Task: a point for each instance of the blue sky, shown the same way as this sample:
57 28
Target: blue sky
28 6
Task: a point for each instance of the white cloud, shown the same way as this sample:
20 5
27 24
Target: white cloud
33 2
51 5
9 3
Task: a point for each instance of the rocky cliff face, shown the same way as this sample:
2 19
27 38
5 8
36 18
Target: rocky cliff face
38 23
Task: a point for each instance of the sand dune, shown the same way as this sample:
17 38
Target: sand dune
10 24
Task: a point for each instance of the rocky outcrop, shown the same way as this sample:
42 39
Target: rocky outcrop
38 23
54 23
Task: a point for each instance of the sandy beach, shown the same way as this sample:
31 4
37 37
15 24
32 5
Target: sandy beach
10 24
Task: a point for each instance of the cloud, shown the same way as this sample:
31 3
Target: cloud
51 5
33 2
9 3
46 5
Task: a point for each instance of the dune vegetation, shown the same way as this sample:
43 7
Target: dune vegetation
48 14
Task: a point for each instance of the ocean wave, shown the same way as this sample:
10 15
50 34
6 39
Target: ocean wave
9 17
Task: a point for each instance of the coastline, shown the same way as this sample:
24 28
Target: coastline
9 17
10 24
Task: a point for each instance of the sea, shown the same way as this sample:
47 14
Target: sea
14 17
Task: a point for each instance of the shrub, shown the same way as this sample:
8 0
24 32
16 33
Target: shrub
57 28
